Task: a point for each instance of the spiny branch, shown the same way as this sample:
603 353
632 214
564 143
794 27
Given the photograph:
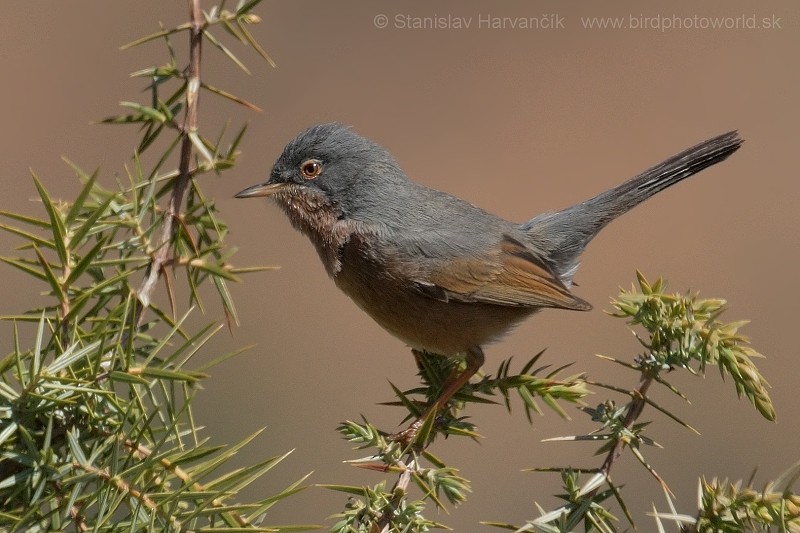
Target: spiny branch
635 409
399 490
161 254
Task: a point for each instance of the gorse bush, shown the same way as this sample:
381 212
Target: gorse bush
682 332
97 431
97 426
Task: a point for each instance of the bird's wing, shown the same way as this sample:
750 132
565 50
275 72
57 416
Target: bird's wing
508 274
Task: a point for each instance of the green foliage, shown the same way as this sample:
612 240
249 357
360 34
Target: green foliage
581 508
728 507
682 332
96 426
391 508
360 511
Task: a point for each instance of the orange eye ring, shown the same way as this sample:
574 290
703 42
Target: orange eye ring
311 168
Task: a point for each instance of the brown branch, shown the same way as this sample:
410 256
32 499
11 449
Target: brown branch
161 254
124 487
144 452
398 492
635 408
74 510
65 304
78 519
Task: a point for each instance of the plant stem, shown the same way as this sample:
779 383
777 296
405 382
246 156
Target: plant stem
399 492
635 408
161 255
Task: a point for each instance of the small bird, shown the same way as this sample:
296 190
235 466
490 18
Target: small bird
435 271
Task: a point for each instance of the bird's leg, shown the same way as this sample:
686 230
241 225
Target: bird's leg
421 357
454 383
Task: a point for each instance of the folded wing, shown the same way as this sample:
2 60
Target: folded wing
508 274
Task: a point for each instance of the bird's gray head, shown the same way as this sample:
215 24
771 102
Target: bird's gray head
329 165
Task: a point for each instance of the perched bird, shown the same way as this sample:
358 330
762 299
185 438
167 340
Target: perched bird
435 271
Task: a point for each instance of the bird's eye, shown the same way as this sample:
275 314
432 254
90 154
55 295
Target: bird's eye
311 168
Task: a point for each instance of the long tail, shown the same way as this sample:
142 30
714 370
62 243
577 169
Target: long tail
565 234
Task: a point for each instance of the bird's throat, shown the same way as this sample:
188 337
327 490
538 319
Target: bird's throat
315 216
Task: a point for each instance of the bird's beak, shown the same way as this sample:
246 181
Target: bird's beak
261 189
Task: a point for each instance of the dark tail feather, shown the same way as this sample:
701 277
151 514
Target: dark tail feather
566 233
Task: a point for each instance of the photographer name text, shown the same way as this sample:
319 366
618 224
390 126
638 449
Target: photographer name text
548 21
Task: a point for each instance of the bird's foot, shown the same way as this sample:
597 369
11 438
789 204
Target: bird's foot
408 436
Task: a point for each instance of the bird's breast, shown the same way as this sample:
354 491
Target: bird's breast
385 289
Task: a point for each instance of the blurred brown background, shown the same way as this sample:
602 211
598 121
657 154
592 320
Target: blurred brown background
517 121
